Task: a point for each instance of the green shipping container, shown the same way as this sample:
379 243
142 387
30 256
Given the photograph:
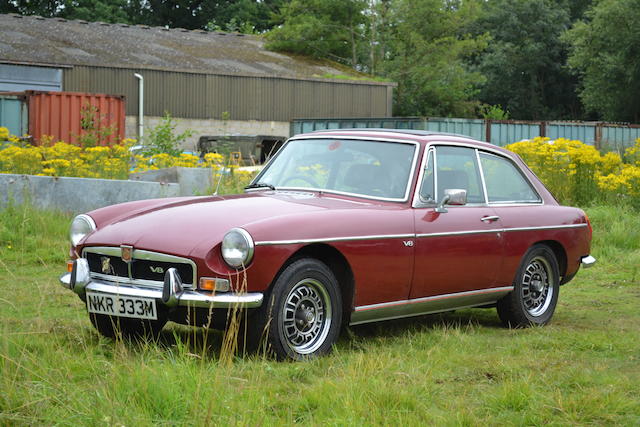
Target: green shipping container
14 114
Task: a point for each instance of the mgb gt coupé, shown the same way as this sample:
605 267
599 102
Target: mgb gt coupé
341 227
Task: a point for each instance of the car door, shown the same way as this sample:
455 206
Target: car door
517 203
460 250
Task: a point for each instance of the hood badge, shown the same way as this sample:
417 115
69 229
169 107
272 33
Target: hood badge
126 253
106 264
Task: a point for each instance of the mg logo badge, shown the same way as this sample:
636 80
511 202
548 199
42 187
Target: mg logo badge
156 269
126 253
106 265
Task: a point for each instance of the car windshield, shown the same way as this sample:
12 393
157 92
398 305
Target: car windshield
368 168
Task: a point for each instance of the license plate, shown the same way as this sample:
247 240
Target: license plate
122 306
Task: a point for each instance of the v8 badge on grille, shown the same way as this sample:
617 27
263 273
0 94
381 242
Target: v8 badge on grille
126 253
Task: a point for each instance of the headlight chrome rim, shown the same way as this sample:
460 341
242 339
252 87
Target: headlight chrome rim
77 235
236 262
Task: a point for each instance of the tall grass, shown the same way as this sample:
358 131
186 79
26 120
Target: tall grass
459 368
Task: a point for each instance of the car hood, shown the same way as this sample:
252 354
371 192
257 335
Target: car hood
192 226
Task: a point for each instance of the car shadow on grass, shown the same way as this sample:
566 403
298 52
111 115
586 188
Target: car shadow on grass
486 318
215 345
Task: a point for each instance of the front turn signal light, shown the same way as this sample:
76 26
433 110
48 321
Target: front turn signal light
214 284
69 266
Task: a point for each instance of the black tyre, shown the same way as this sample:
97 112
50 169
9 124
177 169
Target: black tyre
122 327
302 314
535 290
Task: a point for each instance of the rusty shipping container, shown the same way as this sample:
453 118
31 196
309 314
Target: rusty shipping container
71 116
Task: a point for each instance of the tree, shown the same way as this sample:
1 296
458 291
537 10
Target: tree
113 11
321 28
247 16
47 8
524 64
424 51
605 52
225 15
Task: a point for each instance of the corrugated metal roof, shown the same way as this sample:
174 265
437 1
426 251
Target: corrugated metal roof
33 39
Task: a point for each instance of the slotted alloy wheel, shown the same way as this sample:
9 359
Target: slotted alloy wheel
306 316
302 313
537 288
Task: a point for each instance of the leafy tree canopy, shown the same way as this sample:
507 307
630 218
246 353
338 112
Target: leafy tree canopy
226 15
524 64
425 52
605 52
321 28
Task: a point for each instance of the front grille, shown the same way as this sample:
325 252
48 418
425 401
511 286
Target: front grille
106 262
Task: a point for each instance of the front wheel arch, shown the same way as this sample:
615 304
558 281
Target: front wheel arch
300 316
337 263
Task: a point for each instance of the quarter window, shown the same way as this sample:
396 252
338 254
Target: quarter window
505 183
427 193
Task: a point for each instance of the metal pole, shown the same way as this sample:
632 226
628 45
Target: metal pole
140 106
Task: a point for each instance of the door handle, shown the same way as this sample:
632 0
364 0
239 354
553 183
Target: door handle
490 218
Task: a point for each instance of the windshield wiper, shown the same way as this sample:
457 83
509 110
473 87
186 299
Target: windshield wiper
260 185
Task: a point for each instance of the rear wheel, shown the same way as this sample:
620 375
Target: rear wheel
535 290
302 315
113 327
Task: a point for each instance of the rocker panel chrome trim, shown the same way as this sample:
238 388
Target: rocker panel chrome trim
426 305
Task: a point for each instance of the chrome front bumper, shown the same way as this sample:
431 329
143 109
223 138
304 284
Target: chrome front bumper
588 261
172 294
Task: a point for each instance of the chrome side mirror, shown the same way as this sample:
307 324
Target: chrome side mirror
453 197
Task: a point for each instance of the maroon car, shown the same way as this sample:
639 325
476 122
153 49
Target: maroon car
341 227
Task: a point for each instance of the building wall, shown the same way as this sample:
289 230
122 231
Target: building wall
16 78
209 96
202 127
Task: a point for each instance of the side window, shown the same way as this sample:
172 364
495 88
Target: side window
427 187
505 183
458 169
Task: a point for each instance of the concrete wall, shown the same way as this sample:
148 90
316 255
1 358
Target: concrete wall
77 195
201 127
192 181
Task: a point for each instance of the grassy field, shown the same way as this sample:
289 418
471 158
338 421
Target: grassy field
459 368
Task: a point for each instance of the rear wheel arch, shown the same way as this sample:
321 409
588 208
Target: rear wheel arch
560 254
535 292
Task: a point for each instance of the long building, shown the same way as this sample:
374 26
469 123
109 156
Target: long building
212 82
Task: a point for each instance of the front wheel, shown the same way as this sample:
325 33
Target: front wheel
301 317
535 290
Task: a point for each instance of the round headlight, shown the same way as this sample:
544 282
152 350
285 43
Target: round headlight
237 247
81 226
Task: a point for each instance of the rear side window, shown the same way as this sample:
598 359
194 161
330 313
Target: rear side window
505 183
457 168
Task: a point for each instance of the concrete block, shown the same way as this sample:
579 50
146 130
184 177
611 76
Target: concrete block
192 181
77 195
201 127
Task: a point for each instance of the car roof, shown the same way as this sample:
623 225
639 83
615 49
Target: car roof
415 132
424 136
